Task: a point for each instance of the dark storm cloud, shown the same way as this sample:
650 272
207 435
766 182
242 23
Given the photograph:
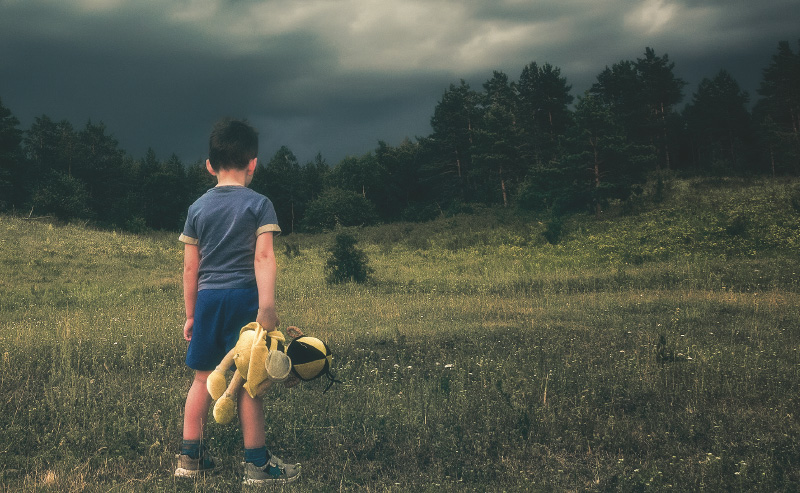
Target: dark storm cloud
337 77
152 83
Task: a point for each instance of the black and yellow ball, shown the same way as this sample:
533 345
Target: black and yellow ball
310 357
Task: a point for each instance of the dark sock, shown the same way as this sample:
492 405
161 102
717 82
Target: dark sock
257 456
191 448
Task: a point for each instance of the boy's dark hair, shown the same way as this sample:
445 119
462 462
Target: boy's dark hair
232 145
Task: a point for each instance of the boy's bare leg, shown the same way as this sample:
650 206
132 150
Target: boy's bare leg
197 403
251 417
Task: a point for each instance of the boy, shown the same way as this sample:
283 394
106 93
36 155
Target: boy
228 280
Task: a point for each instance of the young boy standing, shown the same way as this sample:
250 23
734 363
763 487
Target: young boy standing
228 280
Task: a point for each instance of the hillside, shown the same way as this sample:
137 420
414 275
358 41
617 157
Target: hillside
654 347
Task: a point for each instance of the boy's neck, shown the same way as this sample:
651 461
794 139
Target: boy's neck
228 177
231 178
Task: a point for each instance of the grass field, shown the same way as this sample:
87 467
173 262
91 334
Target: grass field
479 357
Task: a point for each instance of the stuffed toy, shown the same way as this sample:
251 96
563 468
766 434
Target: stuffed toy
260 359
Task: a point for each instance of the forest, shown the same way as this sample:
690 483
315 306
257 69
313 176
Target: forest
526 143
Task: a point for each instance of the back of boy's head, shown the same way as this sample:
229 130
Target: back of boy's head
232 145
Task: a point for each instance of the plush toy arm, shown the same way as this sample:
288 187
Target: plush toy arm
294 332
215 384
263 386
224 409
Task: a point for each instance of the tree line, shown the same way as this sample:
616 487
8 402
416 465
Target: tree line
526 143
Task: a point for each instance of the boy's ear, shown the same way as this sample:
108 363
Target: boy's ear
251 166
209 168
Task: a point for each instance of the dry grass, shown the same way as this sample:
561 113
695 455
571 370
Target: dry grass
501 363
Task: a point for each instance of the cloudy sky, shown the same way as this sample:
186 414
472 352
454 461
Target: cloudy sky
337 76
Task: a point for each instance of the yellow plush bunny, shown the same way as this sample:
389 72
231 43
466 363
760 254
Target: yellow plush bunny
260 360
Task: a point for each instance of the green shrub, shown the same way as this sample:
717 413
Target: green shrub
737 226
553 230
794 198
346 261
337 207
63 196
291 249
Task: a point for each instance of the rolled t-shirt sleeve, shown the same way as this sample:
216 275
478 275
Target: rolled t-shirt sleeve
267 219
188 240
189 235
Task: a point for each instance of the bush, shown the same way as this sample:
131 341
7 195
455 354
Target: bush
346 262
794 198
737 226
553 230
63 196
337 207
291 249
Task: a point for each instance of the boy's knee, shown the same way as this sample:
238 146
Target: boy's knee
201 376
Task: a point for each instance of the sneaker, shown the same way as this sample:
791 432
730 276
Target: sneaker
275 472
190 468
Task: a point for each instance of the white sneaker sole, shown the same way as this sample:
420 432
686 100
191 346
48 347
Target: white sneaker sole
255 482
188 473
181 472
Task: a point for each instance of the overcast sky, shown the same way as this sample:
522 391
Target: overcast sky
337 76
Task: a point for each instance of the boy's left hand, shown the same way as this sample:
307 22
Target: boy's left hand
188 328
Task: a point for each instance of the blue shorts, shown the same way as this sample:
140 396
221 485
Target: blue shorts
219 315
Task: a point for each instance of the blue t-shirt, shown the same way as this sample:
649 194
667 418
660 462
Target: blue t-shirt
224 222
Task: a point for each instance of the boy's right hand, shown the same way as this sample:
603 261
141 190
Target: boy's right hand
188 327
268 319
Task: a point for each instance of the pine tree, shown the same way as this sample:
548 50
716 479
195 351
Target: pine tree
452 144
497 164
543 111
642 95
778 110
11 160
718 123
604 163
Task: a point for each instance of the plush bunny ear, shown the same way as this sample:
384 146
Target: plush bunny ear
256 370
242 349
254 326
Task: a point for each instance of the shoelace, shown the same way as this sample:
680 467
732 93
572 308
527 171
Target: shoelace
331 381
275 467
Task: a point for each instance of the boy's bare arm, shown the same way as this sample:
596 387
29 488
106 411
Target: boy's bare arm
191 267
266 275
